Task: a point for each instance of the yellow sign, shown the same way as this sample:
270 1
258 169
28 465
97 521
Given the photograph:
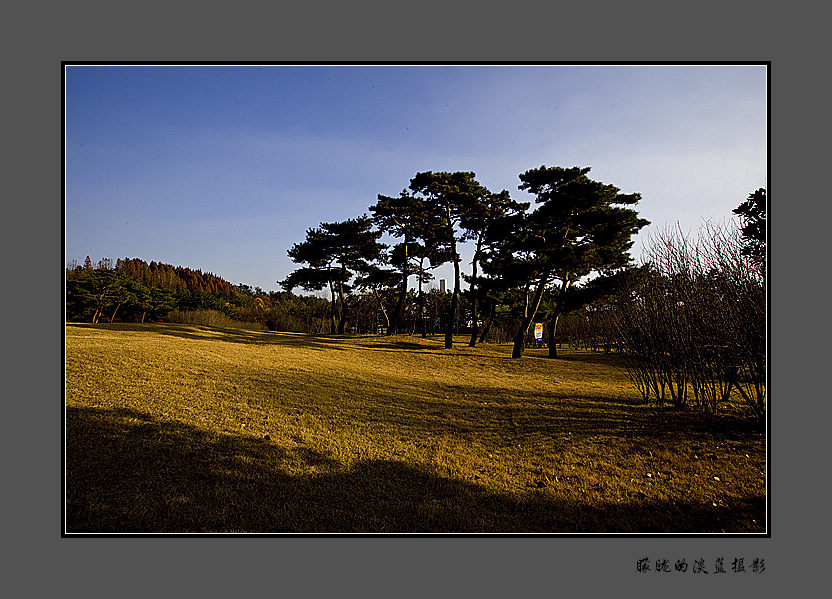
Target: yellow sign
538 331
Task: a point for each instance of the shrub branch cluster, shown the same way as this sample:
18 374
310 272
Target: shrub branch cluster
692 322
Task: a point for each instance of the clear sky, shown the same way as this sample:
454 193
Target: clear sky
223 168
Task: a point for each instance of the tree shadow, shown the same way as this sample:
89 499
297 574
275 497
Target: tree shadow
400 345
210 333
345 342
583 357
128 472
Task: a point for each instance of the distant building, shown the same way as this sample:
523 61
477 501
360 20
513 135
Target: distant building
442 285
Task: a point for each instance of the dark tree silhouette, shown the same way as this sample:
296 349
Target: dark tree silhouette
752 212
405 216
448 198
376 282
579 226
482 222
334 252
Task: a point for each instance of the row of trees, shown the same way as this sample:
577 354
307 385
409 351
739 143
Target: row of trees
526 264
131 290
521 256
690 319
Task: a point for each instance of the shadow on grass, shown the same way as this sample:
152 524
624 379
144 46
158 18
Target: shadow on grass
579 356
206 333
558 419
347 342
401 345
128 473
433 344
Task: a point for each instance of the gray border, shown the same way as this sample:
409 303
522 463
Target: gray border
400 566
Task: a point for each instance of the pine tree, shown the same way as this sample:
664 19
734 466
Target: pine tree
334 252
580 226
448 199
753 215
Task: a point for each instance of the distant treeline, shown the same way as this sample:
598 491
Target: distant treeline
132 290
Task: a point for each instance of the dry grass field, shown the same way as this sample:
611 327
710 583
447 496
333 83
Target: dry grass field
181 428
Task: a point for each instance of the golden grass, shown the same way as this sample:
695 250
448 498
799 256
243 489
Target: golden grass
181 428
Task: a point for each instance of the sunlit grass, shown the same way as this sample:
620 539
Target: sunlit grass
185 428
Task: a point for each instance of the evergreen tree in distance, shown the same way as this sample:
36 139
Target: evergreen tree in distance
334 253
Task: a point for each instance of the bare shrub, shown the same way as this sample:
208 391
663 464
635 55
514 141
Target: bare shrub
693 327
591 327
211 318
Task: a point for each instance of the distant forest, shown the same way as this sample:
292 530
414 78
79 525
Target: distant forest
132 290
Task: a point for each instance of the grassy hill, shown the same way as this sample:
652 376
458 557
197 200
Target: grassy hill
177 428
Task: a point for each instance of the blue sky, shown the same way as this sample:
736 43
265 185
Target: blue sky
223 168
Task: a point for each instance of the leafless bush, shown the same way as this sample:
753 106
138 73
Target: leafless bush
298 319
591 327
211 318
693 327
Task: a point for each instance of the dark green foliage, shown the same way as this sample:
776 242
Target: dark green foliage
377 284
580 226
136 291
93 294
334 253
449 199
486 220
752 212
407 217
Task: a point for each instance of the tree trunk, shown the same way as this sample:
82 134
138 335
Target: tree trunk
492 312
342 314
553 346
332 322
473 292
450 317
531 310
474 328
99 308
422 327
397 311
114 312
384 313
